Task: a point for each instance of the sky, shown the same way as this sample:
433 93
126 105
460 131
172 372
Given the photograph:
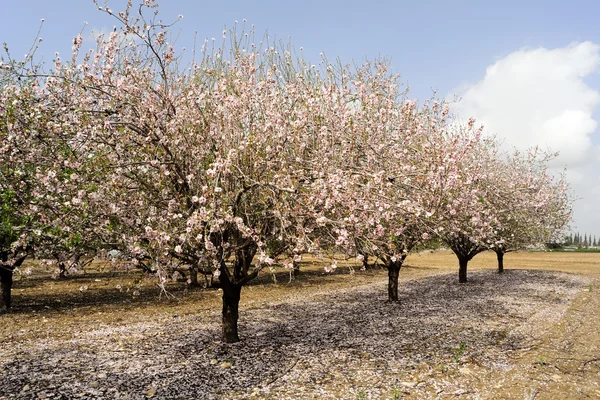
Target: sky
528 70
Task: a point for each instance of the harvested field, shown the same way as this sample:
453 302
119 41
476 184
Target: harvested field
529 333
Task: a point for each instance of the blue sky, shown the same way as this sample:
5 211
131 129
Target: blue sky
449 46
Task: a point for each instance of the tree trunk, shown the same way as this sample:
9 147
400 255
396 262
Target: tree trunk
61 263
232 284
231 302
62 270
500 256
365 262
393 268
194 276
295 268
6 279
462 269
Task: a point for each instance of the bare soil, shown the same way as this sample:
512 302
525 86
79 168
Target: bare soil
530 333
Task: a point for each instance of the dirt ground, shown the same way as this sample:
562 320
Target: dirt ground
530 333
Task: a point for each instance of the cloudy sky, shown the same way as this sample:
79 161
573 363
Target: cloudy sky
527 70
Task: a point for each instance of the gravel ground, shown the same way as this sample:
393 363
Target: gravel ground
443 339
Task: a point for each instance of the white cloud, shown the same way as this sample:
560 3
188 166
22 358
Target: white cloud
539 97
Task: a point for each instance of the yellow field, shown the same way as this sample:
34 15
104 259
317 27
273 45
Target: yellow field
580 263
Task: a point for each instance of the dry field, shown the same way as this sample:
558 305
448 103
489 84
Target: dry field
531 333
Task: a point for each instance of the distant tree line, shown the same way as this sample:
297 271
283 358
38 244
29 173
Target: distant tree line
576 239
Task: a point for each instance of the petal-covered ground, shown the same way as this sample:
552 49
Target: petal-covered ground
522 334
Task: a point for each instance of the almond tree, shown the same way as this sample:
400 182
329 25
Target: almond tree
531 205
210 165
467 224
16 217
394 188
39 190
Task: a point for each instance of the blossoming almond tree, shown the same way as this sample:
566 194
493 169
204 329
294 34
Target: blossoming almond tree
17 216
468 221
532 206
40 192
393 189
210 166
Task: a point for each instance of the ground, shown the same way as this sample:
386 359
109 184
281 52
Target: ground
530 333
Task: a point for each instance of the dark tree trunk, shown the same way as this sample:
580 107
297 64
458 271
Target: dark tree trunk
62 267
393 268
231 302
232 287
6 279
62 270
462 269
208 281
295 268
500 256
365 261
465 250
194 276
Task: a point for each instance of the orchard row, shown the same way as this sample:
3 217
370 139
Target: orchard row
247 155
